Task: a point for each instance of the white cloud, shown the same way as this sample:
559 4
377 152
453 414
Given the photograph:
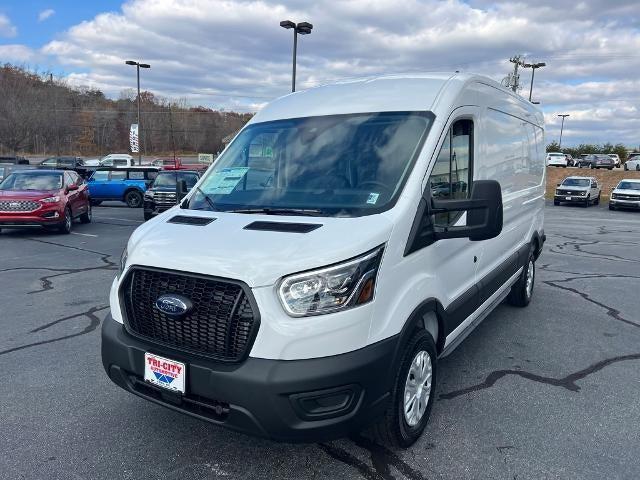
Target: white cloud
44 14
7 29
233 54
17 54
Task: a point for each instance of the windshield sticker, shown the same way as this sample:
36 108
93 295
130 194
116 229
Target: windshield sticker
224 181
373 198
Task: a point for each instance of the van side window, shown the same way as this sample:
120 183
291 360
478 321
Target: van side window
118 175
452 173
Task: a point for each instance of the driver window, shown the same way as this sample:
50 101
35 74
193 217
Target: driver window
452 174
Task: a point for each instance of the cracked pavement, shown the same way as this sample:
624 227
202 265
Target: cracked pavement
550 391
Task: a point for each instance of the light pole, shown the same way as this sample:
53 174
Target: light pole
562 128
533 67
138 67
302 28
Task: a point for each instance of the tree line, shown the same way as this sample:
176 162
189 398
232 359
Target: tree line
605 148
40 115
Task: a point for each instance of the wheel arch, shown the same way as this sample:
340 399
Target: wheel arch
429 316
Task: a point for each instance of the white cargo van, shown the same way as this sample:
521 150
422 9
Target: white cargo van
348 237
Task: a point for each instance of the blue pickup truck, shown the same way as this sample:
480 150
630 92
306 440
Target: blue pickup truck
122 184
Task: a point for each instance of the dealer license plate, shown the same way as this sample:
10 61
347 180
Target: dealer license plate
164 372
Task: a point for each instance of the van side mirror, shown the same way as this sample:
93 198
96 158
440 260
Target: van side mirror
484 213
181 190
558 184
484 216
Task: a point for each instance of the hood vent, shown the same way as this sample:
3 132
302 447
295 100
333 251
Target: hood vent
283 227
187 220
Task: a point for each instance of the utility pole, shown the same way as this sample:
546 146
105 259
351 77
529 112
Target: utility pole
564 115
514 81
138 66
55 114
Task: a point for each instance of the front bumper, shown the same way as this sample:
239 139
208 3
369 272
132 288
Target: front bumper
570 198
284 400
43 217
153 208
615 202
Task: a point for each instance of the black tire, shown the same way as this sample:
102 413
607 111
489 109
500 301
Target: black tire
587 202
86 216
133 199
67 224
626 168
564 166
597 200
556 203
592 167
520 294
611 207
147 216
610 168
393 429
638 168
95 203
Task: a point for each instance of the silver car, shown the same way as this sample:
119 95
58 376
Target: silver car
626 194
580 190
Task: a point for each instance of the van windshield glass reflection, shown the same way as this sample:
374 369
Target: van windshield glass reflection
342 165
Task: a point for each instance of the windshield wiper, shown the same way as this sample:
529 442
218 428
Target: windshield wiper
207 198
310 212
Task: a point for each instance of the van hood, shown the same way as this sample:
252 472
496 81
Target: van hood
226 248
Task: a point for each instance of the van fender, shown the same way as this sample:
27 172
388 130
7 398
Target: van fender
428 315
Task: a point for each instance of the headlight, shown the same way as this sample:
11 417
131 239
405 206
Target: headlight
584 194
123 261
326 290
55 199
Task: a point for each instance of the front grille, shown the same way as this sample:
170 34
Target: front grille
18 206
221 324
633 198
570 192
164 199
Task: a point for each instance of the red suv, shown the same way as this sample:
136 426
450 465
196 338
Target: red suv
44 198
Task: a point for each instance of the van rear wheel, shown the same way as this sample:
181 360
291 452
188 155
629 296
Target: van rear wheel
412 394
522 291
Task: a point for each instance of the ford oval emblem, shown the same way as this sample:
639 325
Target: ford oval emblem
173 305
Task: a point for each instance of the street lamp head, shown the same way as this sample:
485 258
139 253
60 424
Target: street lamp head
131 62
541 64
144 65
304 28
287 24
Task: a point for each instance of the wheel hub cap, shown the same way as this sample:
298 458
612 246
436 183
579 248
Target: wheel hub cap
417 388
530 277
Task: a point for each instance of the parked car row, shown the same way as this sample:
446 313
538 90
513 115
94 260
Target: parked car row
593 160
586 191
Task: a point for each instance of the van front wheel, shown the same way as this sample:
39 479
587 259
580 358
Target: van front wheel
412 394
522 291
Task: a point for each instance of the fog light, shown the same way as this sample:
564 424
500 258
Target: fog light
50 215
328 403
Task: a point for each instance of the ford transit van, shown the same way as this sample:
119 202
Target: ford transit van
349 237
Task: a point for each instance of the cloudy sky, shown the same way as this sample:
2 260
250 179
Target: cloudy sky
233 54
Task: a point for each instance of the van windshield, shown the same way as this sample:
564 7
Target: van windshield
335 165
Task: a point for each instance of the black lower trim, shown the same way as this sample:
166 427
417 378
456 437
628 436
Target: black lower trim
269 398
467 303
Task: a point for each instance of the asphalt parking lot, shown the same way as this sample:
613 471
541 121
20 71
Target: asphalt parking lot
550 391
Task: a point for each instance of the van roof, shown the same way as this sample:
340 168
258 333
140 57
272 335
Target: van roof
408 92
